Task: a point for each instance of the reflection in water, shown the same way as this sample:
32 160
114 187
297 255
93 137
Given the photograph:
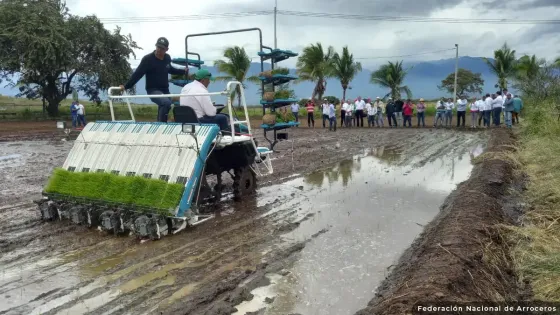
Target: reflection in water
373 207
344 169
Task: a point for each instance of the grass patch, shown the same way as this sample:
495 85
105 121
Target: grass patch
536 252
131 190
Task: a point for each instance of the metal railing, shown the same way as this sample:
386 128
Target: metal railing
231 86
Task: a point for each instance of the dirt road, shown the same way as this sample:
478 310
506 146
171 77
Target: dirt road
319 237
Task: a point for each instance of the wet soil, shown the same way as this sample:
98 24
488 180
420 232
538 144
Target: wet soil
460 256
339 209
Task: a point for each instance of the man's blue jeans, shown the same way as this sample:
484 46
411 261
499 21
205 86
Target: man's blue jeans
508 116
163 103
332 123
74 120
421 118
82 120
220 120
497 112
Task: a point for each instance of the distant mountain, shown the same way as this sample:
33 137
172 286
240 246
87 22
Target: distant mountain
423 79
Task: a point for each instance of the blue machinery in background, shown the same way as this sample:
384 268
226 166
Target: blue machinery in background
275 56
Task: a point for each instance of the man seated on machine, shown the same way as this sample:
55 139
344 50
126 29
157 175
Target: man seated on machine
202 105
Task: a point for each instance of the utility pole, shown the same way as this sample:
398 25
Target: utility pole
275 12
456 72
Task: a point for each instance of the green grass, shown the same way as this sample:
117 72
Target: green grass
133 190
536 250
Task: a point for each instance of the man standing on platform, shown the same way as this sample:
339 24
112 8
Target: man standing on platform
156 66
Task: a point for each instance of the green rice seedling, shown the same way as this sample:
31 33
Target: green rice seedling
131 190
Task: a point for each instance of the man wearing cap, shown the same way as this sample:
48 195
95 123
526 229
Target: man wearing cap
156 66
202 105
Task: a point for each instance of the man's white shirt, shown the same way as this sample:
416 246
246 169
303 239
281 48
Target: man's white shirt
449 105
202 105
80 109
325 107
488 103
360 105
498 102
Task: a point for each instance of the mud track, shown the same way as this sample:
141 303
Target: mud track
460 256
58 268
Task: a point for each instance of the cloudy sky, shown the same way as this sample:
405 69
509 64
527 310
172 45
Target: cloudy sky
370 41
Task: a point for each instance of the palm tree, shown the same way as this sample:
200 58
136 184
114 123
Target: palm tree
314 65
235 68
391 76
503 66
528 67
344 68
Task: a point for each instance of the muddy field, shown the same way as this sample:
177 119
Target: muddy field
321 235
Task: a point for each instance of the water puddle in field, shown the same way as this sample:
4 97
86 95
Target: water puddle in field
372 208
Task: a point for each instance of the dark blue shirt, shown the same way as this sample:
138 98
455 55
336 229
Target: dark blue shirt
156 72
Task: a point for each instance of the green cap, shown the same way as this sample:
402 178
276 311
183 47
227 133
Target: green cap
203 74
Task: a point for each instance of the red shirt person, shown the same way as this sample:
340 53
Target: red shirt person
310 106
407 112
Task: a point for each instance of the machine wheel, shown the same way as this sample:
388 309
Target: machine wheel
244 182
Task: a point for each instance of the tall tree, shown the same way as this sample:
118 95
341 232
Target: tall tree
528 66
235 67
503 66
48 53
344 68
314 64
467 82
391 76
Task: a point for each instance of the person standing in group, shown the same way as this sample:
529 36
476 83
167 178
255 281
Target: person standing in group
497 106
81 114
343 112
407 113
295 111
421 113
480 105
391 113
509 108
371 111
474 113
359 107
325 111
461 110
332 117
349 113
74 113
487 109
440 112
398 112
310 106
380 111
156 66
449 112
517 107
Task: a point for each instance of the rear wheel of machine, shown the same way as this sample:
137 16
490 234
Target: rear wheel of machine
244 182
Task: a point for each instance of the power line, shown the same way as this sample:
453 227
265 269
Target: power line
411 55
360 17
152 19
412 18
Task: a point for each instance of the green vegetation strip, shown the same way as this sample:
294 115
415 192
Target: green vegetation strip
132 190
536 250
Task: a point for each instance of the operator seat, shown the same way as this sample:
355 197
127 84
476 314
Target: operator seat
185 114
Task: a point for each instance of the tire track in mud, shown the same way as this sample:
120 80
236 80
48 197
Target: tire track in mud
198 271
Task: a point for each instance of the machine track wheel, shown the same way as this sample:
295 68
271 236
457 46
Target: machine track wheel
244 182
